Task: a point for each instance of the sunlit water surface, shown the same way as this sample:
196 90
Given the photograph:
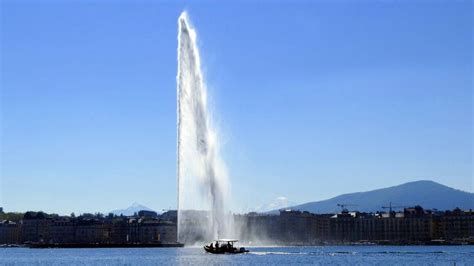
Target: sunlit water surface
334 255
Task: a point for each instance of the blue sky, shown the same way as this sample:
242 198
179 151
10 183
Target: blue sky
312 99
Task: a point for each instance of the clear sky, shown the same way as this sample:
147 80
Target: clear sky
312 99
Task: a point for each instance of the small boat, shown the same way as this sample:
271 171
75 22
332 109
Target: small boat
224 246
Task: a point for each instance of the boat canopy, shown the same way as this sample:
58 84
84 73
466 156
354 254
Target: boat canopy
226 240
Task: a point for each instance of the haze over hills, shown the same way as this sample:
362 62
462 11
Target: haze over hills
428 194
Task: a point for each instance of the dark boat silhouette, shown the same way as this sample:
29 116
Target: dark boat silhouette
224 246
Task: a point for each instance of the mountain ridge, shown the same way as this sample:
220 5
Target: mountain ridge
426 193
135 207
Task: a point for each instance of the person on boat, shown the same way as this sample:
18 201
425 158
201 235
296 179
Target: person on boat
211 246
217 245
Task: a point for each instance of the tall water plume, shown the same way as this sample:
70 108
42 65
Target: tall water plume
202 178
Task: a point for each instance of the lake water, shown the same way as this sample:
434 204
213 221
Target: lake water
334 255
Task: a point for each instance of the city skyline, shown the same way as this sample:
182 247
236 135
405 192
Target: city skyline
313 100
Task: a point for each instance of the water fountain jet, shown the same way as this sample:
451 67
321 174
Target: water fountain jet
202 178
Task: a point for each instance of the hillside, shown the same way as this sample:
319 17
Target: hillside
428 194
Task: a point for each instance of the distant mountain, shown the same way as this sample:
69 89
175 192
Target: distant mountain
135 207
428 194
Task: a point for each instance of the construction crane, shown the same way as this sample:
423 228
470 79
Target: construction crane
344 205
390 207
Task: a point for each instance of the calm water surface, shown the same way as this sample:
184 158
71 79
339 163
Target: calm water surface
333 255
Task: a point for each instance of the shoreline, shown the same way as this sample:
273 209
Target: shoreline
180 245
105 245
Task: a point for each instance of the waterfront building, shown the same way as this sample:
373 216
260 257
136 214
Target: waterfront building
454 225
153 231
342 226
289 227
36 227
170 215
119 231
412 226
298 227
63 230
147 214
92 231
10 232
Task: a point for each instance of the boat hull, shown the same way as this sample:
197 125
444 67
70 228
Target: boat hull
220 251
